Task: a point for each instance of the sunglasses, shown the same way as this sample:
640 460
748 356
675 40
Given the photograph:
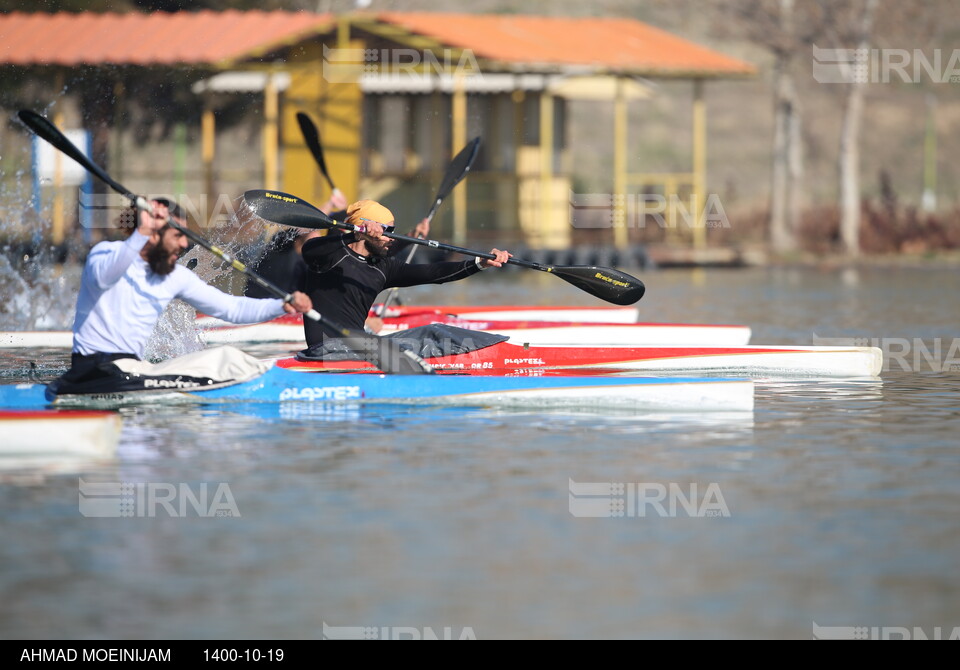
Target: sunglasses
387 227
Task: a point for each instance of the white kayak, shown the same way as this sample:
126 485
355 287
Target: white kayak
67 433
33 339
537 333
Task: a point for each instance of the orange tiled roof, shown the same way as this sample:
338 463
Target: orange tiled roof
613 44
513 42
160 38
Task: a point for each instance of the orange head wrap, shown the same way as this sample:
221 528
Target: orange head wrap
369 210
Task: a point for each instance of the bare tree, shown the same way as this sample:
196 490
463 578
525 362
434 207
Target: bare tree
785 29
863 24
852 22
786 196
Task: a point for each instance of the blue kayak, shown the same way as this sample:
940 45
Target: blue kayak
289 386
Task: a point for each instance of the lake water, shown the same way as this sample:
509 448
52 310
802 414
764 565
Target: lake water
834 504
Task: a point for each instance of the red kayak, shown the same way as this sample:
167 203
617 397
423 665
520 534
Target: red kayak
289 328
567 314
753 360
562 333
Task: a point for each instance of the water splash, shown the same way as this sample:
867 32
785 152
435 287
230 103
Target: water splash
38 284
39 281
177 333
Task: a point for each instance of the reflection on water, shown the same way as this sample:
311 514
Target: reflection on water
842 497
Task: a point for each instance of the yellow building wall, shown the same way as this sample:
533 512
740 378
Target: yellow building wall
336 109
548 229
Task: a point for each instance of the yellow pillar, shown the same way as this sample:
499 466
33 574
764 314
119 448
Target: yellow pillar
270 133
546 166
438 133
207 153
459 131
620 237
519 214
699 164
334 102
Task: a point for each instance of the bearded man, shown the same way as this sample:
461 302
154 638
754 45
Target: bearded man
346 272
124 288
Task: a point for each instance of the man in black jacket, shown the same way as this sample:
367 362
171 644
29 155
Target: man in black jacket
346 272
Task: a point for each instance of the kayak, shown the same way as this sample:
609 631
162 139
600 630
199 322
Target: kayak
35 339
603 314
289 328
806 361
574 334
530 329
41 432
277 384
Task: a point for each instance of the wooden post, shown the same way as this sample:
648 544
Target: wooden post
699 165
207 153
179 160
459 130
546 167
620 233
270 133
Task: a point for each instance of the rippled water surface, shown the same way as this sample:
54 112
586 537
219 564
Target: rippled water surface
840 495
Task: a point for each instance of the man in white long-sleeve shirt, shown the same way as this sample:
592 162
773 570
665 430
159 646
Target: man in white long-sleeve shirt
126 285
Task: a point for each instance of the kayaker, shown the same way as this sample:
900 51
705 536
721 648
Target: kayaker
346 272
282 263
124 289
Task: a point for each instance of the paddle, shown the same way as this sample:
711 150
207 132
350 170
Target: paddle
312 138
607 284
382 352
456 171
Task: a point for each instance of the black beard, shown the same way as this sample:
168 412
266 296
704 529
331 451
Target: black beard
159 261
374 251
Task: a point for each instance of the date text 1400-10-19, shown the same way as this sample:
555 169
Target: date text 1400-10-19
234 655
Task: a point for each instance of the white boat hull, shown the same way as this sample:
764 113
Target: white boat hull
59 433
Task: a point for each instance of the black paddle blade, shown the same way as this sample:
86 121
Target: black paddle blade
286 210
607 284
458 168
45 130
312 138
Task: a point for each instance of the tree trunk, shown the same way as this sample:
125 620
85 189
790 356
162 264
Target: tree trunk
787 156
850 171
849 158
795 186
787 168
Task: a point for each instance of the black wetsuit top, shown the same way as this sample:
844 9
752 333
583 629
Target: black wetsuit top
343 285
281 265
